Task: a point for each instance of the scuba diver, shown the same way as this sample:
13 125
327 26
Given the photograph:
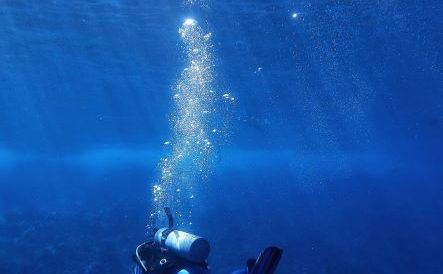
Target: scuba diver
172 251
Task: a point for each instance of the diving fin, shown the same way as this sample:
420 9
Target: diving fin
266 262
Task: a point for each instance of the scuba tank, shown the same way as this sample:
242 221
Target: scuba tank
191 247
172 251
185 245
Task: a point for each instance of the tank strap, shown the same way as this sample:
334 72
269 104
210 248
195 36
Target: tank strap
165 235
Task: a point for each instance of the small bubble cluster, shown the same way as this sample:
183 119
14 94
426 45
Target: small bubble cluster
201 3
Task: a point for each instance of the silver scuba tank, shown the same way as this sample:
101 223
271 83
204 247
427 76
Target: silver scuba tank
188 246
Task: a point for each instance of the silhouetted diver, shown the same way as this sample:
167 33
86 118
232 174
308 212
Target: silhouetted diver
172 251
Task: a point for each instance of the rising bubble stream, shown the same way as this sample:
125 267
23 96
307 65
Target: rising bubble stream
191 148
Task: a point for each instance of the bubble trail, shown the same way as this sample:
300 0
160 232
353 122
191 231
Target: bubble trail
191 146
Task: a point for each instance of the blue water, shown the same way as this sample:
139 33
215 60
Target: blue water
332 149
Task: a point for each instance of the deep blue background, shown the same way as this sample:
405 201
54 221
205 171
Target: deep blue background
335 147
